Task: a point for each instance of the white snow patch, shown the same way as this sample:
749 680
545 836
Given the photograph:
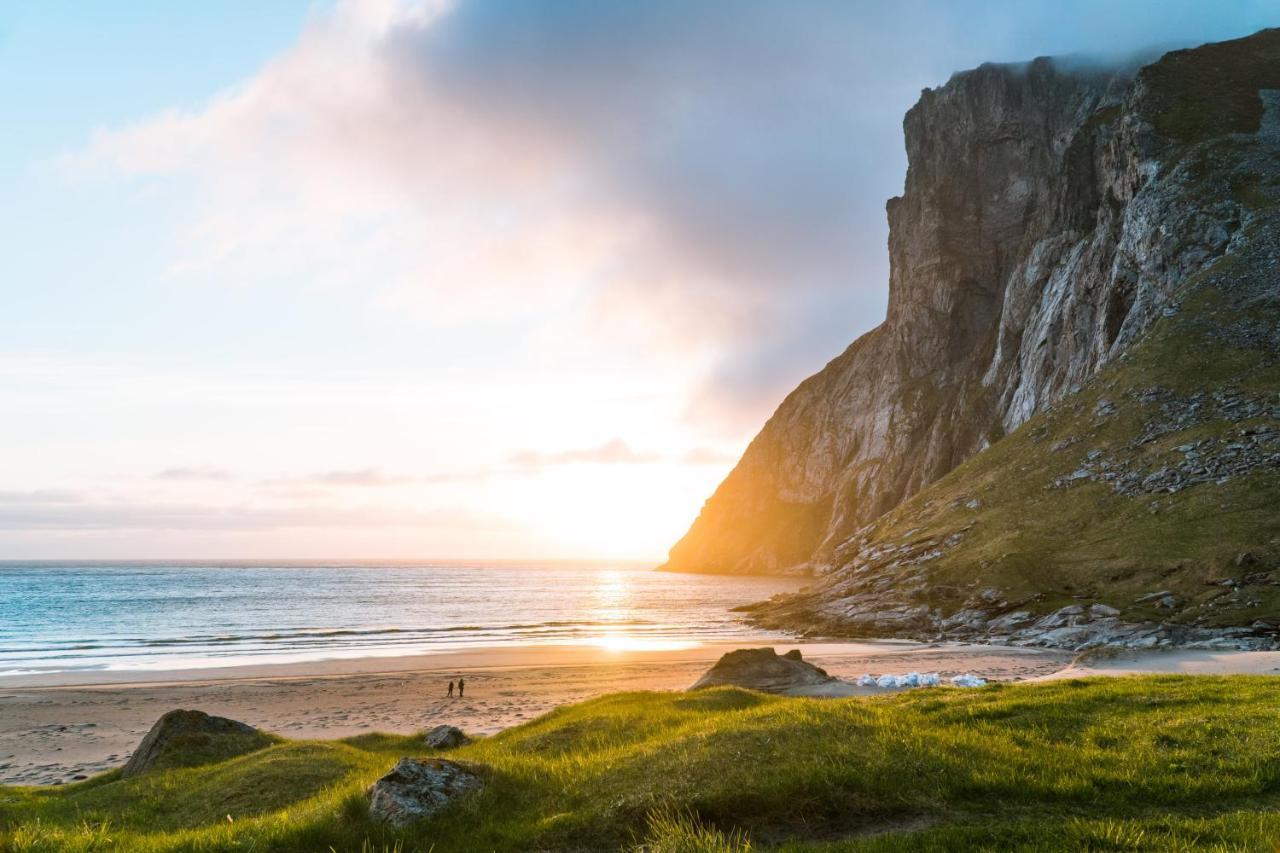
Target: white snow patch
918 679
968 680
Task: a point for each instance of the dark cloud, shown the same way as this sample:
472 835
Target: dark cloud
704 174
759 140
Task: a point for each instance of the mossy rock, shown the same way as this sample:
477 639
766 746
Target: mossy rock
189 738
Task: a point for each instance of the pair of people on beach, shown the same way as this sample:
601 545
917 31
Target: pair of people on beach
462 683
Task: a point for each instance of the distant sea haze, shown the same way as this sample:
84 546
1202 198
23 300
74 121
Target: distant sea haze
85 617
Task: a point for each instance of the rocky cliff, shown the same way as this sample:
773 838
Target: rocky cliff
1053 214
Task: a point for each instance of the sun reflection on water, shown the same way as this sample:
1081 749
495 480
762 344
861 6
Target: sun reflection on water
625 643
612 608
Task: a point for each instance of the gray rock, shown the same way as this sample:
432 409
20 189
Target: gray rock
763 669
1063 616
966 618
417 789
446 737
186 738
1101 611
1007 622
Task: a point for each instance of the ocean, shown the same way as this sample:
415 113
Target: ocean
84 617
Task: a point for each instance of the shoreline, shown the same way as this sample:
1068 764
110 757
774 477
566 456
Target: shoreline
472 658
57 729
476 657
52 732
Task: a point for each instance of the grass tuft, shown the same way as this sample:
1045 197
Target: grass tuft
671 829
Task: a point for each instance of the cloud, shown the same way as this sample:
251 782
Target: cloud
375 478
89 514
521 463
360 477
39 497
707 456
198 473
678 175
660 174
614 452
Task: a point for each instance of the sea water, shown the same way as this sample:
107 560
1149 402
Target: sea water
70 617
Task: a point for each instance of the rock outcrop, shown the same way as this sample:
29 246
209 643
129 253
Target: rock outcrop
764 670
415 790
1138 512
446 737
1051 213
188 738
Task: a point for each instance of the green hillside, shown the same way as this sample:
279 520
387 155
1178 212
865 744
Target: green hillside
1104 764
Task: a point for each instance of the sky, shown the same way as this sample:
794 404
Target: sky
430 279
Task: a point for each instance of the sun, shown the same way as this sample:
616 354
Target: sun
611 511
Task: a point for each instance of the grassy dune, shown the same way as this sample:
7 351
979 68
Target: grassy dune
1107 764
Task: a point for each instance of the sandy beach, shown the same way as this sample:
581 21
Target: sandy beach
1174 662
52 731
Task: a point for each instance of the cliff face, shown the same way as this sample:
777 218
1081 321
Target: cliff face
1048 218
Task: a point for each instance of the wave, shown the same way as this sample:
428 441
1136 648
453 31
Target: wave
325 637
327 633
136 616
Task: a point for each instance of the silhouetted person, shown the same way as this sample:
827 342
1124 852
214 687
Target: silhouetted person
451 690
461 686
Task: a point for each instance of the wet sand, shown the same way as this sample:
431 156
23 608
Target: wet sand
52 730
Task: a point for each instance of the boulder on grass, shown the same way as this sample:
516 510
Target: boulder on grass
189 738
446 737
765 670
415 789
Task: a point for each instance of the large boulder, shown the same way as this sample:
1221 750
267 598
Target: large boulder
188 738
764 669
446 737
415 789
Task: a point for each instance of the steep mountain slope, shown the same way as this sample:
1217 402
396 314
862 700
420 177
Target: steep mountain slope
1143 510
1053 215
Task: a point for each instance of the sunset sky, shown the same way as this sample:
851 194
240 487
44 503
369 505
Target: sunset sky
448 279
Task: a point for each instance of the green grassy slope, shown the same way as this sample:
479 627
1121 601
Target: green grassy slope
1115 764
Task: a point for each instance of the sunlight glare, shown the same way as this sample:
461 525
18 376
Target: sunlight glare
620 643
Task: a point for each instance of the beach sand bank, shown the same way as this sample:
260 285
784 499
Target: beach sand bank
53 729
1172 662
